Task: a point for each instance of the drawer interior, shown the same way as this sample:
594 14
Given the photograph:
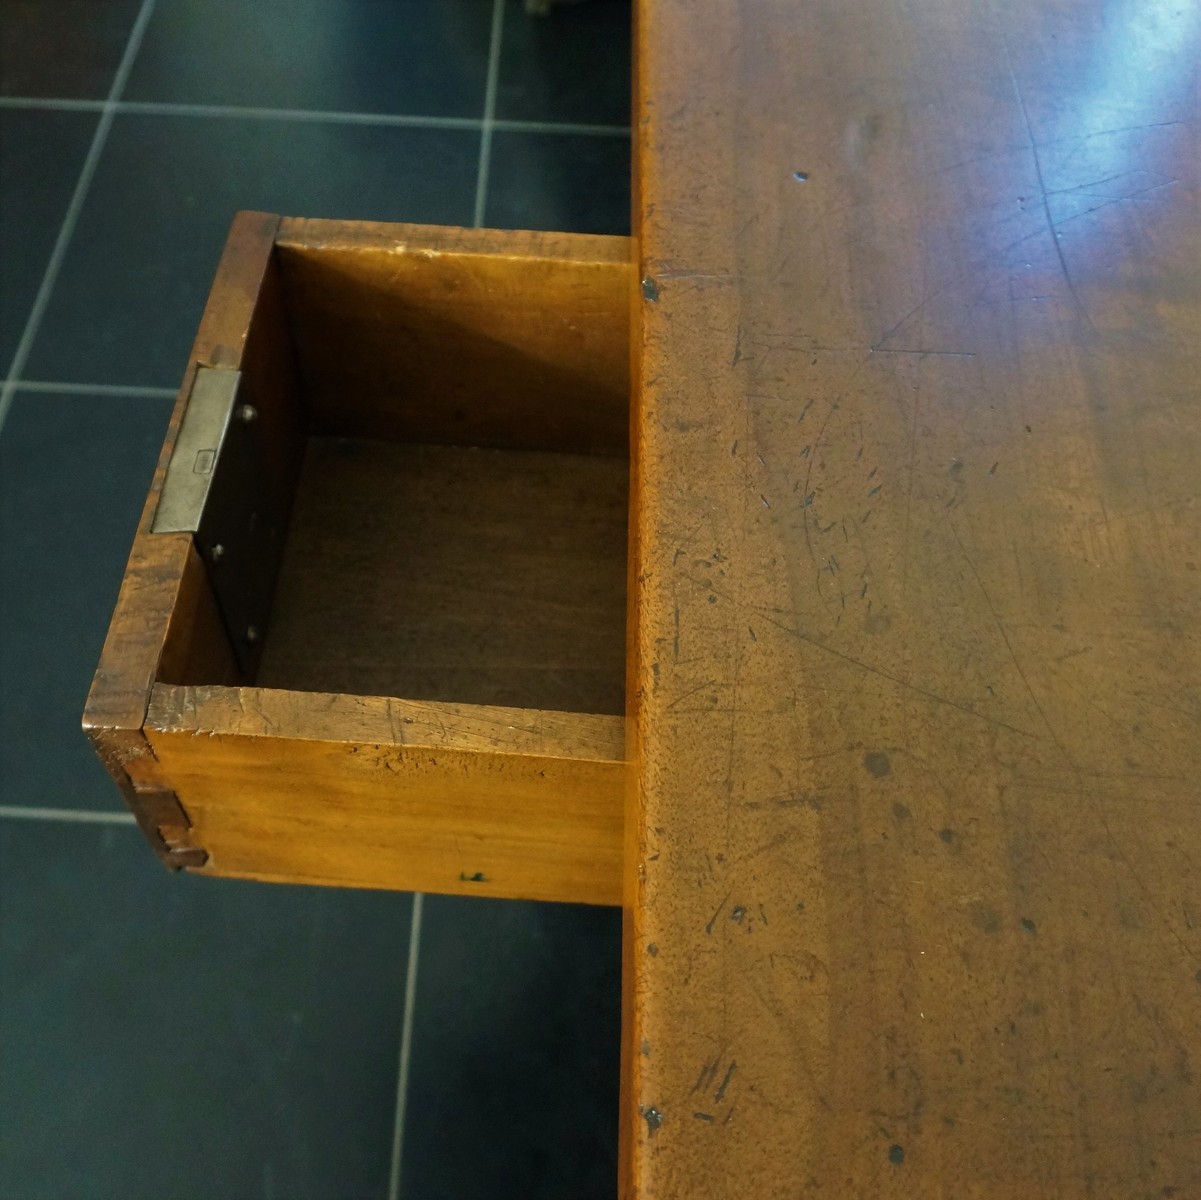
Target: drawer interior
445 429
372 627
472 575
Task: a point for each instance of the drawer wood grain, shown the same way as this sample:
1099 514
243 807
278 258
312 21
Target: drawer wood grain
435 698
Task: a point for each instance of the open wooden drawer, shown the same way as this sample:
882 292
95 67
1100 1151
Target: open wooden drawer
372 630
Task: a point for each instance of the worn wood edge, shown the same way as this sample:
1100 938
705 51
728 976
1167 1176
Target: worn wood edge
115 709
565 873
475 890
157 563
634 1046
433 818
367 753
127 757
304 234
149 593
328 717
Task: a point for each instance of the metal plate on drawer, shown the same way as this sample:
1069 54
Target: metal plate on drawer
197 448
217 489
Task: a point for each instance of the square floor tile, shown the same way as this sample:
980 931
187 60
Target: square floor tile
572 182
133 285
41 154
422 57
513 1089
179 1037
74 472
573 65
63 48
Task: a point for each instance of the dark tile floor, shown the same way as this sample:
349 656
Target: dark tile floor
171 1036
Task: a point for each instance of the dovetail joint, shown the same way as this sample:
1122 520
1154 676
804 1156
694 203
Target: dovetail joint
166 824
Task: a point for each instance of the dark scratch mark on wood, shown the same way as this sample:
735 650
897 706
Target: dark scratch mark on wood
716 914
692 691
1042 187
705 1078
912 687
1069 762
924 353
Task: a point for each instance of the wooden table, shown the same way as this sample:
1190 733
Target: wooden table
908 787
914 906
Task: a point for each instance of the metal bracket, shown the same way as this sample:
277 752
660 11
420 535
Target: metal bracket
197 448
217 489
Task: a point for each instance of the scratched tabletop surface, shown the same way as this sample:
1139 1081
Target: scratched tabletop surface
915 846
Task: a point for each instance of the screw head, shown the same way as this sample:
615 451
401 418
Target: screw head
252 634
248 414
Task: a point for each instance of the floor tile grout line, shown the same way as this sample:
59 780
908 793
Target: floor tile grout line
64 388
71 217
52 103
166 109
406 1034
489 117
80 816
406 1047
511 125
155 108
